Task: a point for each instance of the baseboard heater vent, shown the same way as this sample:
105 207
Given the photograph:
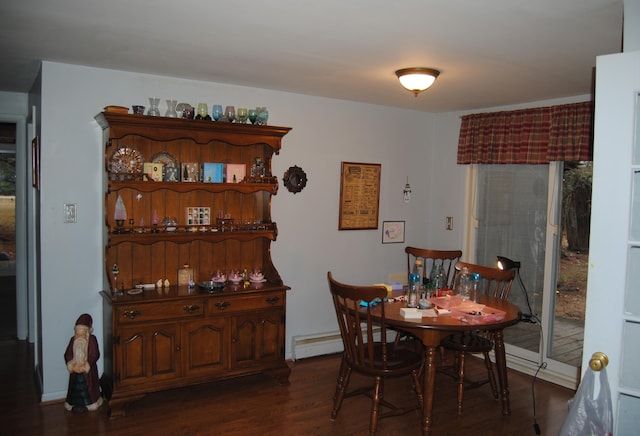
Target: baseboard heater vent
317 344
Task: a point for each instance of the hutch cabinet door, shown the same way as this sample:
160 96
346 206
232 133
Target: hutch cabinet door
147 353
206 346
258 337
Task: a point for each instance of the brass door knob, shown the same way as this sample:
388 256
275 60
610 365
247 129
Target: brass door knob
598 361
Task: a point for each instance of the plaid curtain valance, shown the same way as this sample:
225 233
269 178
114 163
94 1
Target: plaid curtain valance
528 136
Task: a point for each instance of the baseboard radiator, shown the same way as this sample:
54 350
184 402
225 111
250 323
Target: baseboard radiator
319 344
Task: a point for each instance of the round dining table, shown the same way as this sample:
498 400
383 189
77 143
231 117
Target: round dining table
432 329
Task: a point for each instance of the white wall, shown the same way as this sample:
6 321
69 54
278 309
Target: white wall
325 132
13 103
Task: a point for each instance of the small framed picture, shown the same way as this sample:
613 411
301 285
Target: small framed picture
392 232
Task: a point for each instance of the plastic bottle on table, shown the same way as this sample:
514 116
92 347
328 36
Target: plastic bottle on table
414 289
417 269
475 287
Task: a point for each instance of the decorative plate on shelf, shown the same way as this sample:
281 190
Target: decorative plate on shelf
126 160
165 158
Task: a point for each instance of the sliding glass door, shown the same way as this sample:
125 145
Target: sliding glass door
516 214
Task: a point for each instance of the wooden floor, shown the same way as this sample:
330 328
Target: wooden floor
257 405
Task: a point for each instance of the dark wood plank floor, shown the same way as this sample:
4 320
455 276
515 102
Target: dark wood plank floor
257 405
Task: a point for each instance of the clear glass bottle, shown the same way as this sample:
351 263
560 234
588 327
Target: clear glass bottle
464 284
438 281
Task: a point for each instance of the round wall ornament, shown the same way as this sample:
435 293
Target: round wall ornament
295 179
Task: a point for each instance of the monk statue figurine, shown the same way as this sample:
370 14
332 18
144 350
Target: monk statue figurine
81 356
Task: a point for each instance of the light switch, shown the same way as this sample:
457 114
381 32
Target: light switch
69 212
449 223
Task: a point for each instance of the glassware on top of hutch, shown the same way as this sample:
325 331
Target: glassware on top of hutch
242 115
253 115
230 113
202 112
262 116
171 109
188 112
153 107
216 112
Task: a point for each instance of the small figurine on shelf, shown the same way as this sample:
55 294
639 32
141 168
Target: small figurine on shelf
120 214
81 356
115 271
154 221
235 277
257 169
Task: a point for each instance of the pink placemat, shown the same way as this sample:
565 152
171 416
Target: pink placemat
468 311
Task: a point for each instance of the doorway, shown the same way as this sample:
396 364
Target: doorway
571 284
8 317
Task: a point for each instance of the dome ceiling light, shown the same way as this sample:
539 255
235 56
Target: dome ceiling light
417 79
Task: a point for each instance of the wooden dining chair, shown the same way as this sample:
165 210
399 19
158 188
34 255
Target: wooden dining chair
367 352
432 259
497 284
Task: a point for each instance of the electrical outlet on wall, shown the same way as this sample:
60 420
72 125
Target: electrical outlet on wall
70 213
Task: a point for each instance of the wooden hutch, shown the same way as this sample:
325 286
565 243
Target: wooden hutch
162 337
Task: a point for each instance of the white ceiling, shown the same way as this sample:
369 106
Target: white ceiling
489 52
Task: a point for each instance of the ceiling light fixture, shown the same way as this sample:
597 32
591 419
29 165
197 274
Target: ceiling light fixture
417 79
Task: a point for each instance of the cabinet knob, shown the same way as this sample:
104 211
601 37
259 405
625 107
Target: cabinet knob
273 300
190 308
131 314
222 305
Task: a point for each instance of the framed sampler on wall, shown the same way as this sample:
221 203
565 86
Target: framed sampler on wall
359 196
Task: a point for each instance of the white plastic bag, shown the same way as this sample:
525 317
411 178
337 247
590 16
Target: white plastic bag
589 415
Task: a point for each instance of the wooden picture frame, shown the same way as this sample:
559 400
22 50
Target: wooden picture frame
392 232
359 196
35 163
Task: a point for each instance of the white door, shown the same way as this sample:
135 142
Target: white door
613 294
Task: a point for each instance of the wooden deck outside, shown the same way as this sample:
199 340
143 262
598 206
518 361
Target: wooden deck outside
568 338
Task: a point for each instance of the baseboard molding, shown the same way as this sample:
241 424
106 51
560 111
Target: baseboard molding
315 345
547 374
